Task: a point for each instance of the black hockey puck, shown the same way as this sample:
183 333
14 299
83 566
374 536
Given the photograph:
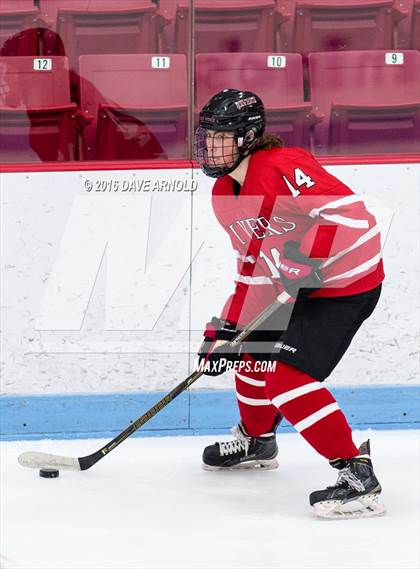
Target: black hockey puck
49 473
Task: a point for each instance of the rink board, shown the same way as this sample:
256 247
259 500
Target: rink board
195 412
109 291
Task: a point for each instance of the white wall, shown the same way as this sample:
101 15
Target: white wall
98 295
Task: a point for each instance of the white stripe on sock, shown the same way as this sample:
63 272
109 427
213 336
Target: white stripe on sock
250 380
283 398
251 401
317 416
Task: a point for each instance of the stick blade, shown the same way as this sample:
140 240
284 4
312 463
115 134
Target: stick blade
45 460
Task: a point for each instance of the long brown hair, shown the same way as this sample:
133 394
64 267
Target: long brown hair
268 141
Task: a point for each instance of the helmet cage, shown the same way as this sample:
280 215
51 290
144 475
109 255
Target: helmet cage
219 158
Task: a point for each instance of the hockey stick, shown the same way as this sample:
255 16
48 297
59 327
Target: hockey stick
45 460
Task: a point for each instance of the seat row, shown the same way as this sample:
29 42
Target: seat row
136 106
80 27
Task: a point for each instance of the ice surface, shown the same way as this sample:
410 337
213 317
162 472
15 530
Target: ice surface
150 505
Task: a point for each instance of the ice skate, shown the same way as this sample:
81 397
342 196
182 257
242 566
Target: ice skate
243 452
356 492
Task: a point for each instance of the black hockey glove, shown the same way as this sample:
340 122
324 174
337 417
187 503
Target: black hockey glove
215 361
300 275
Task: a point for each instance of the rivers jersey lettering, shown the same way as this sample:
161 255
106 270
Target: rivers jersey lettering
288 195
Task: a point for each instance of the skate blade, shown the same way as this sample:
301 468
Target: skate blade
364 507
251 465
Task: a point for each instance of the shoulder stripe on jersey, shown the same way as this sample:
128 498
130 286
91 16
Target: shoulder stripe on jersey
253 280
347 221
360 269
336 204
366 237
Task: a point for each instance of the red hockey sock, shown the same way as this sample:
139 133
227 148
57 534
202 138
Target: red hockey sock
257 413
312 410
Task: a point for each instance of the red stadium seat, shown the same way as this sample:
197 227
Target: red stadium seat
227 26
138 104
18 27
37 119
103 26
278 80
49 8
326 25
370 101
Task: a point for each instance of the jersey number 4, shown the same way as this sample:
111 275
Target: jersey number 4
301 179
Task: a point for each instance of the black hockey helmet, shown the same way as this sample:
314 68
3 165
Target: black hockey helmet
238 114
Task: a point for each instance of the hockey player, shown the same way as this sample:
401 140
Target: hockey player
294 227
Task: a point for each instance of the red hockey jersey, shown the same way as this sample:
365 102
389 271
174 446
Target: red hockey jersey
288 195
